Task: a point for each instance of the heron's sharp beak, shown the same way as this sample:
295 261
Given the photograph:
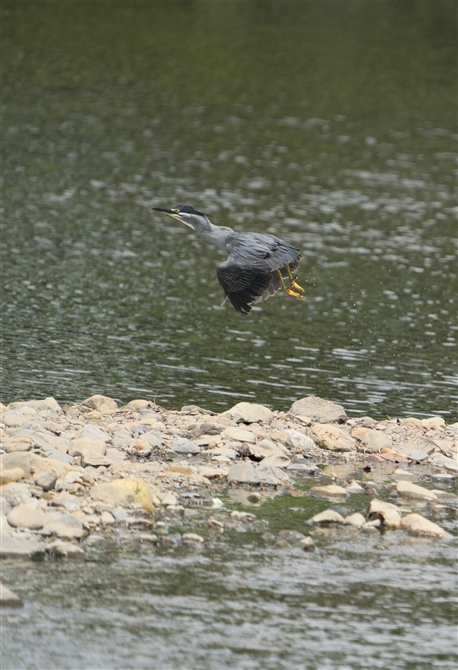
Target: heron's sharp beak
161 209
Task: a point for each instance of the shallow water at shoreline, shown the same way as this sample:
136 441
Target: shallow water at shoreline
358 602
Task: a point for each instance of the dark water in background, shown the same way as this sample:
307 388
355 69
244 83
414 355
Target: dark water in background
332 125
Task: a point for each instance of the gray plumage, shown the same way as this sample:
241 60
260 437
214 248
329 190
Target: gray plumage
255 261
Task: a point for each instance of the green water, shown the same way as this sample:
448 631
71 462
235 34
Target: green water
330 124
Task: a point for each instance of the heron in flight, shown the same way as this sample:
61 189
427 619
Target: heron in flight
258 265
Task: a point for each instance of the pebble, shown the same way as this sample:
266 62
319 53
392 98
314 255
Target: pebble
45 479
61 549
107 518
445 462
307 544
11 475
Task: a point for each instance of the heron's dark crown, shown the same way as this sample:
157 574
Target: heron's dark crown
187 209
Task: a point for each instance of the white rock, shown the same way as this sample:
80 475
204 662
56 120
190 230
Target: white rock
414 492
318 409
26 516
355 519
300 441
243 473
418 525
329 491
248 412
8 598
388 514
238 434
327 517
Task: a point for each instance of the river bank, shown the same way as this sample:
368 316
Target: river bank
71 473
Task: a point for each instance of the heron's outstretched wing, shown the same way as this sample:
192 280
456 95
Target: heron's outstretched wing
264 252
244 284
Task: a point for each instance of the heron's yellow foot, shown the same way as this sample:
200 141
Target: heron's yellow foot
295 285
290 291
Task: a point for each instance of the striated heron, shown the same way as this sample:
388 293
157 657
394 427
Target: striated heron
258 265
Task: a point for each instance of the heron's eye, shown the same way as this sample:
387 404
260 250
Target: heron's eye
176 211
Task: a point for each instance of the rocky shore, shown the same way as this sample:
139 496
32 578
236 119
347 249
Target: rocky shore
72 472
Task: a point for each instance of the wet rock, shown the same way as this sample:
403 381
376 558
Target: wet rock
271 476
355 519
414 492
300 442
325 518
60 549
416 524
11 475
8 598
399 473
21 547
238 434
45 479
374 440
443 477
322 411
26 516
63 531
444 462
354 488
17 443
282 544
307 544
243 473
372 526
388 514
330 491
101 403
192 538
248 412
332 437
181 445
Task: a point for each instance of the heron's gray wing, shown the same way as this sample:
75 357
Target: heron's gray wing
264 252
243 284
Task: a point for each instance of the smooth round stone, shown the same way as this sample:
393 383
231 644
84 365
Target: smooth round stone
8 598
101 403
181 445
317 409
243 473
26 516
45 479
416 455
327 517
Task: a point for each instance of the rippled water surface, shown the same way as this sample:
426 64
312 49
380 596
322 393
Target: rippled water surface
361 601
333 126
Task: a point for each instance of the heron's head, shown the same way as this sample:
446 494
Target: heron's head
187 215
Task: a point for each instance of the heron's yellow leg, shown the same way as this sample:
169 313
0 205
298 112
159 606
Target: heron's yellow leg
287 290
292 280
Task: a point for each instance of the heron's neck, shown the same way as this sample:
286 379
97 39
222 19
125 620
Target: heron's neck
214 234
